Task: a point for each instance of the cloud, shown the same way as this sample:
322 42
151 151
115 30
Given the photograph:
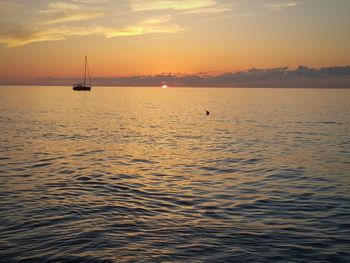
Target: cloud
201 7
59 20
278 6
21 35
209 10
49 23
179 5
151 25
92 1
61 12
260 77
306 72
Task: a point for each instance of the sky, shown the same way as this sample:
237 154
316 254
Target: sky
41 38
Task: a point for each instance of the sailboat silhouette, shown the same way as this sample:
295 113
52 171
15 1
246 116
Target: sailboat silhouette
83 86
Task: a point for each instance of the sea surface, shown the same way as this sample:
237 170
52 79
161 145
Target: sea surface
144 175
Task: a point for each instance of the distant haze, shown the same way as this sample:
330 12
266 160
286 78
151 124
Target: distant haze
133 42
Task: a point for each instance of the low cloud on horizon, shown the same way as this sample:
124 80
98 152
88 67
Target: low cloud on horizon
332 77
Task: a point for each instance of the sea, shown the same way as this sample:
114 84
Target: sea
145 175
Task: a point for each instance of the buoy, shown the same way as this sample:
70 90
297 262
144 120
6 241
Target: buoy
207 112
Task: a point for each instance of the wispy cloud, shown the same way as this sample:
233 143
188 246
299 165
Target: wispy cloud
58 20
148 5
209 10
24 36
61 19
20 35
92 1
60 12
151 25
278 6
182 6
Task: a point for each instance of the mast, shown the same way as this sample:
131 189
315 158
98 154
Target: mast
85 72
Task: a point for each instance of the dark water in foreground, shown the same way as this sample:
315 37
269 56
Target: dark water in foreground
143 175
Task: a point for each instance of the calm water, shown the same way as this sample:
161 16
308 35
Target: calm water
143 175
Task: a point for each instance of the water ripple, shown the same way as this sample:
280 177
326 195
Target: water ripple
142 175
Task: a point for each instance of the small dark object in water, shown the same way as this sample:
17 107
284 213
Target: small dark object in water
207 112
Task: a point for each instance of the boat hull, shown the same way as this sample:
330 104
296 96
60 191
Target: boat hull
82 88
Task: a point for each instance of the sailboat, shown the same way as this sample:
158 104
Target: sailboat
84 86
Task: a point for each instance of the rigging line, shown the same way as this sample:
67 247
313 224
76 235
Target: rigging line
88 68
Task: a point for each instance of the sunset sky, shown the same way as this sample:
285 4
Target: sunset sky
41 38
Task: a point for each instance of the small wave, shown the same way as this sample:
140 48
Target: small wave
40 165
142 161
330 122
72 259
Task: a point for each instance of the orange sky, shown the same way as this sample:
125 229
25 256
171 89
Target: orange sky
50 38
